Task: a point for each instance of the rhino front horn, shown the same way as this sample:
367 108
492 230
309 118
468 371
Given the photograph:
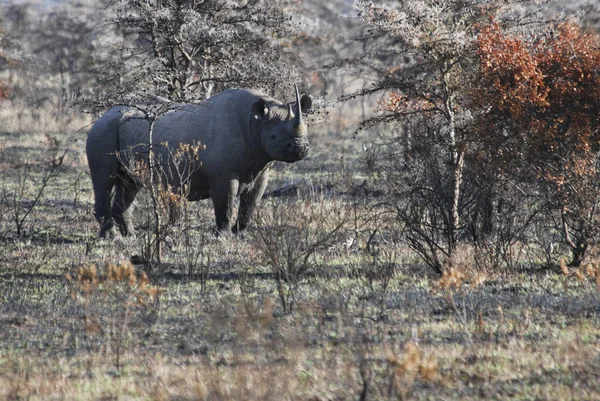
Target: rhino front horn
298 108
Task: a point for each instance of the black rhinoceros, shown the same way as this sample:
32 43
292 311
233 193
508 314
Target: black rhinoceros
244 131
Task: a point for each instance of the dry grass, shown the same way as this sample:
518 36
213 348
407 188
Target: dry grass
516 357
222 346
78 321
18 119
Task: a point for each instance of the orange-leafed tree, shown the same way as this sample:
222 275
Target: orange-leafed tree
420 59
4 90
542 102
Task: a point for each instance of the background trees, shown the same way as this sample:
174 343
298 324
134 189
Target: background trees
186 50
95 54
53 50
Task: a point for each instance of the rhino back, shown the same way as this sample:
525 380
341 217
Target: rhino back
221 123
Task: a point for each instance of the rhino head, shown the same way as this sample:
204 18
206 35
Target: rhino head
282 129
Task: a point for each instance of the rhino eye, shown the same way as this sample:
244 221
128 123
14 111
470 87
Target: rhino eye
272 136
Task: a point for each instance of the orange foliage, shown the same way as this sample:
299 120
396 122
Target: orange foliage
4 91
399 103
512 68
548 92
540 116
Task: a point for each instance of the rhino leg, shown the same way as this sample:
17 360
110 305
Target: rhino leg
249 200
102 213
223 193
122 209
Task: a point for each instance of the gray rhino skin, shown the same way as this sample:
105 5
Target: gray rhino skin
244 132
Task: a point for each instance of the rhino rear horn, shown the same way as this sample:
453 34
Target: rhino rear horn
290 113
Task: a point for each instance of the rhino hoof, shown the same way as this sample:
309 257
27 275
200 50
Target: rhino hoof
238 231
222 232
109 232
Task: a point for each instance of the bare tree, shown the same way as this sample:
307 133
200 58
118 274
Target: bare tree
186 50
54 46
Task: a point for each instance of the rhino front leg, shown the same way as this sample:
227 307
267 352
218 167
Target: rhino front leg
249 200
223 193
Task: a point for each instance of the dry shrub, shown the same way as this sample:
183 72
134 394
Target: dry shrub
375 267
452 279
395 374
110 300
456 286
413 366
585 274
89 282
167 180
247 382
253 319
232 377
290 235
25 195
462 269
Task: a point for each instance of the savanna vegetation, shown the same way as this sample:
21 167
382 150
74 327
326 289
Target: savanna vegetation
439 241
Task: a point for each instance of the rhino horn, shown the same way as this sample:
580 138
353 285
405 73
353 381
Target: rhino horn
290 112
299 108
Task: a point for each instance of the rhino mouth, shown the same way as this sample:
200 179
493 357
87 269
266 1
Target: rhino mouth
295 151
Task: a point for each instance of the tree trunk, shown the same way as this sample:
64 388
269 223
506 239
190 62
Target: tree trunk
579 247
578 253
487 212
457 163
153 191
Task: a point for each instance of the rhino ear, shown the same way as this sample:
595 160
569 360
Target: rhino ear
305 103
259 109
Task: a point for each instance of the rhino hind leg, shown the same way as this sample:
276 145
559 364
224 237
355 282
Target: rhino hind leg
102 207
122 210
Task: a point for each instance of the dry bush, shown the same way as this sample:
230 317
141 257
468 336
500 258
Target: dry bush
375 265
413 365
588 273
457 286
110 299
395 373
23 196
167 211
291 233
